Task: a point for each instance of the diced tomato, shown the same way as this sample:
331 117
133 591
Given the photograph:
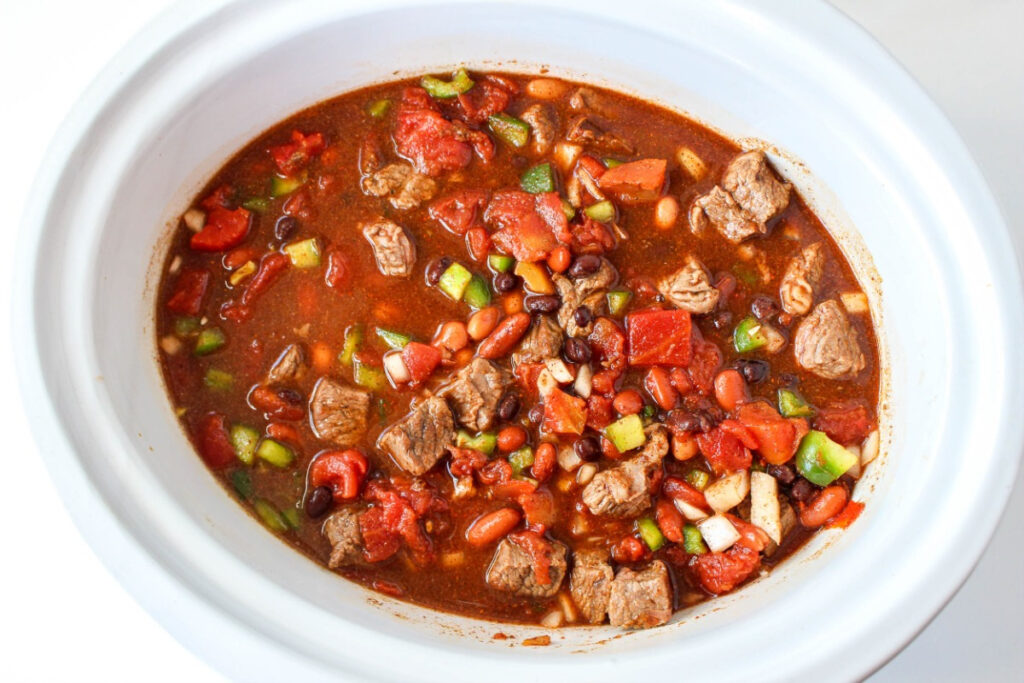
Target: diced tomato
390 522
604 381
659 386
704 363
669 520
478 242
465 461
741 432
528 226
421 360
591 165
299 205
268 401
238 257
680 380
609 450
427 139
539 550
751 536
283 432
342 471
526 375
845 423
388 588
235 312
338 274
848 516
224 230
564 414
777 437
189 290
640 180
600 413
271 267
483 100
460 210
723 451
214 443
293 156
591 237
219 198
721 572
608 344
682 490
659 338
538 509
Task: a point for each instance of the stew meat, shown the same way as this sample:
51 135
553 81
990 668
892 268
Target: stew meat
521 349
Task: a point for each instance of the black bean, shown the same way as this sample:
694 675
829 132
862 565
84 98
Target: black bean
763 307
584 265
505 282
690 421
754 371
542 304
436 269
536 413
290 395
583 316
508 407
722 320
801 490
577 350
319 501
285 227
587 448
783 473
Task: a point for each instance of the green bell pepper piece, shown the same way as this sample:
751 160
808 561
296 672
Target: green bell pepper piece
820 460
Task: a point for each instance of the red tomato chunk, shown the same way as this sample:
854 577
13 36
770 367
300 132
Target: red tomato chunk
659 338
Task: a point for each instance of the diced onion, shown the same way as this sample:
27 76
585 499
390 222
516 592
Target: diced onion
453 559
567 458
727 492
764 504
194 219
395 367
170 344
568 607
869 449
718 533
855 469
585 473
558 370
691 512
584 381
854 302
552 619
566 154
546 382
175 265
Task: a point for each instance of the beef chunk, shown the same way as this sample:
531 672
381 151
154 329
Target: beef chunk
586 291
591 584
418 441
475 392
796 291
583 131
511 570
543 341
288 367
826 343
641 599
625 489
392 248
690 288
342 531
749 197
542 127
338 412
588 100
403 186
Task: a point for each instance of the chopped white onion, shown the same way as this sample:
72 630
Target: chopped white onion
195 219
764 504
869 449
170 344
718 533
584 381
566 154
585 473
727 492
854 302
559 370
395 367
175 264
552 619
691 512
567 458
546 382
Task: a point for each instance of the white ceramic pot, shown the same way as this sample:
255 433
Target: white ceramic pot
855 134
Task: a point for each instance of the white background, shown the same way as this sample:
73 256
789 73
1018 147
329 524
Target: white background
64 618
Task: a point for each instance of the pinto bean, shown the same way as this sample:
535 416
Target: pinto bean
827 504
490 527
506 335
482 322
511 438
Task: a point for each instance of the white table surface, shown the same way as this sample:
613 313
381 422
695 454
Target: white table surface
64 618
